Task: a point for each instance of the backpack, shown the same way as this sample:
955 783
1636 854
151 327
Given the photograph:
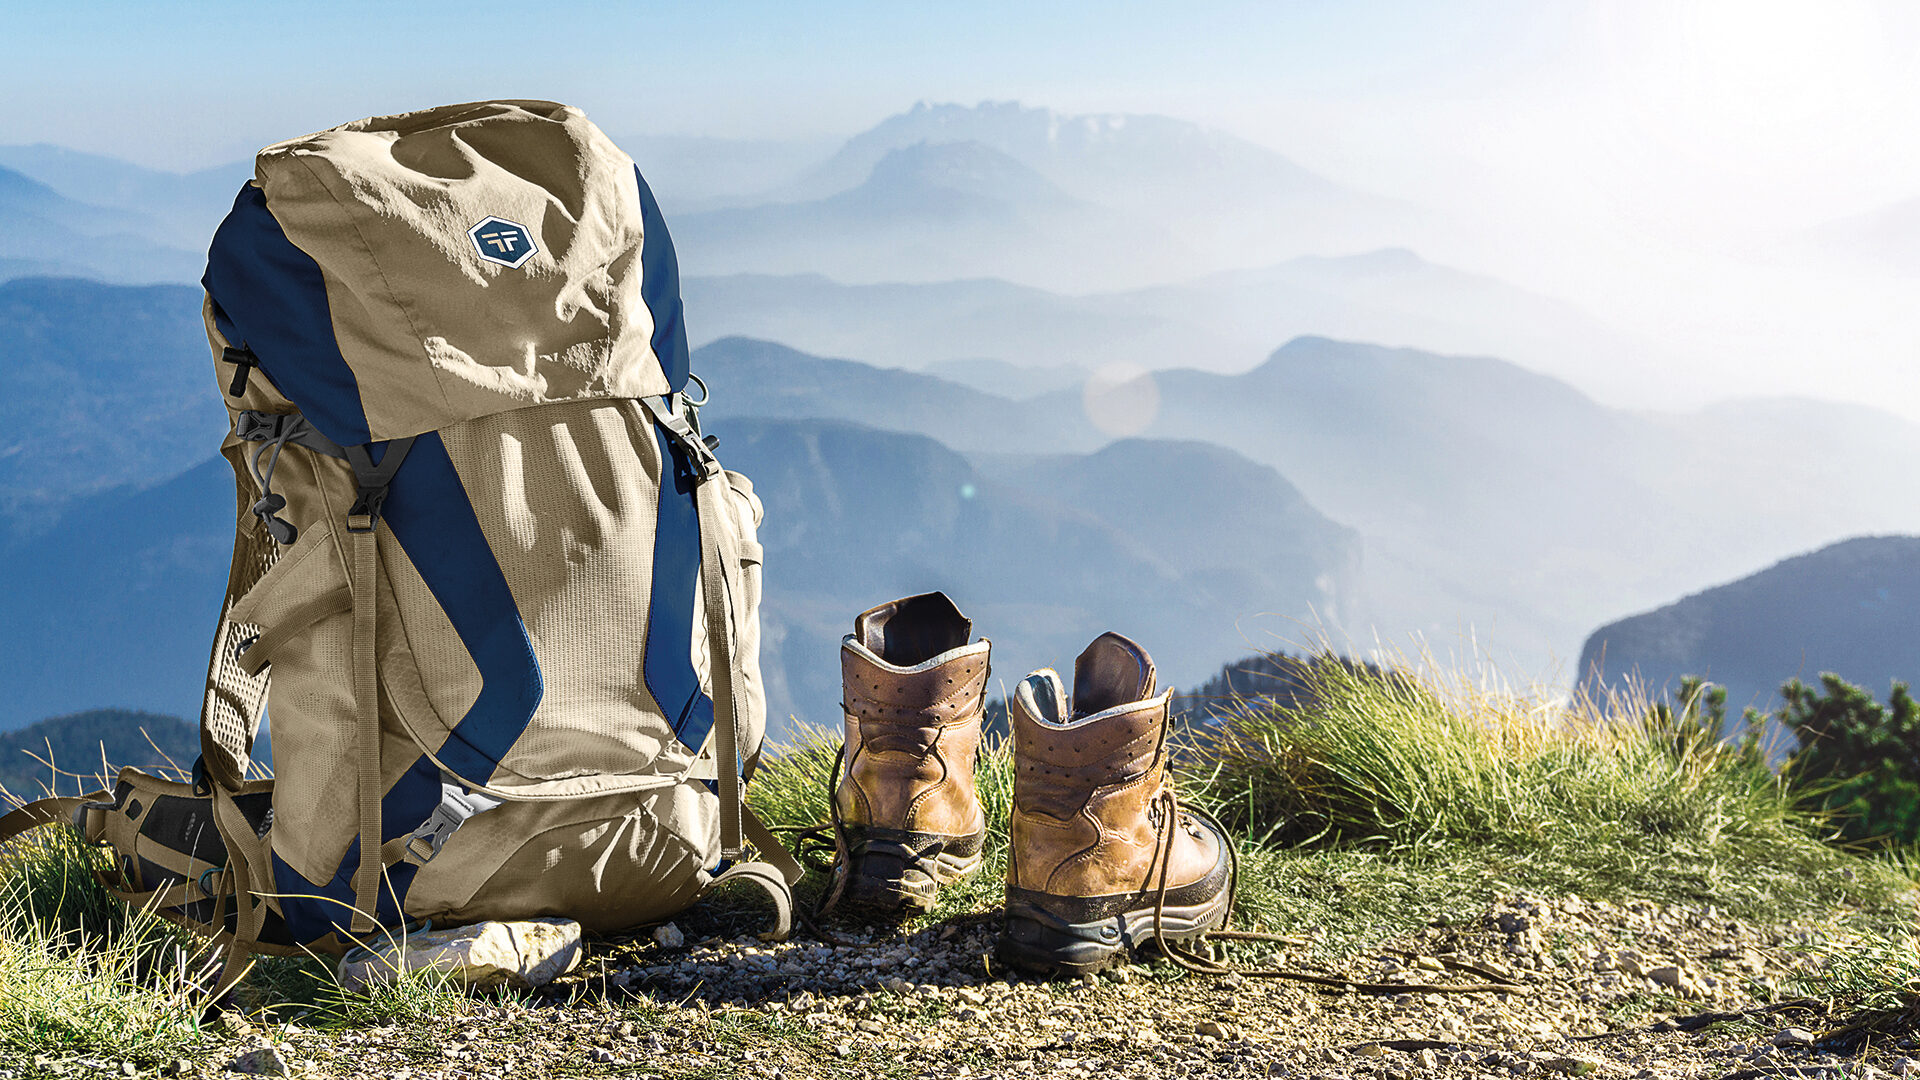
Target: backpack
491 589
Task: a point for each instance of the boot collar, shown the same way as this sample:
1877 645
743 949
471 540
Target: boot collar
853 645
1042 696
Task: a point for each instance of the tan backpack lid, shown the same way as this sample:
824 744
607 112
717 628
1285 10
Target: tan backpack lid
475 258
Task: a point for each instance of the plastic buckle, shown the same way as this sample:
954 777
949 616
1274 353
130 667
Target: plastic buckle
254 426
456 806
366 504
686 435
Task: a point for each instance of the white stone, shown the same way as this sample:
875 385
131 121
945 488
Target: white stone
521 955
669 936
1793 1036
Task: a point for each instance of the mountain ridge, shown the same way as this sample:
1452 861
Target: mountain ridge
1852 607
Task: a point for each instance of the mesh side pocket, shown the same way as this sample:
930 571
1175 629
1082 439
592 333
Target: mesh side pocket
230 710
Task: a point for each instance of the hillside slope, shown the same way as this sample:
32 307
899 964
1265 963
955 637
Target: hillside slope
79 745
1852 608
100 385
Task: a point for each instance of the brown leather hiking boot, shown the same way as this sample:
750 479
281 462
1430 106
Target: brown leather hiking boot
1103 859
907 816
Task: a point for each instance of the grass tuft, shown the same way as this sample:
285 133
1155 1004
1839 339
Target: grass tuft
81 974
1607 802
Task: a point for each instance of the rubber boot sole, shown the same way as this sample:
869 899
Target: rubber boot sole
892 874
1079 935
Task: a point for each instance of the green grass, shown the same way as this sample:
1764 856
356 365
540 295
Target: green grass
1392 803
1398 800
1614 802
81 975
85 977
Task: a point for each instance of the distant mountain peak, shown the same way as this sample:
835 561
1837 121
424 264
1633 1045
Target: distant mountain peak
1090 156
968 167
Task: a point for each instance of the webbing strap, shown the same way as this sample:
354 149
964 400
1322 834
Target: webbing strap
366 708
46 812
296 622
720 578
724 663
363 517
770 848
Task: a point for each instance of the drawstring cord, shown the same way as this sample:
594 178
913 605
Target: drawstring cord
268 508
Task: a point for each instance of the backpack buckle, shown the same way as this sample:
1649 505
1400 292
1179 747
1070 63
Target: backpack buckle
685 434
456 806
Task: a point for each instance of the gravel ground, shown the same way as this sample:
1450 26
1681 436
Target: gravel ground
930 1005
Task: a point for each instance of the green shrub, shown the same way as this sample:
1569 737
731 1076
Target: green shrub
1859 761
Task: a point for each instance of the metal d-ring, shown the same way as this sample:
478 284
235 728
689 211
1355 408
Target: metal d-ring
705 394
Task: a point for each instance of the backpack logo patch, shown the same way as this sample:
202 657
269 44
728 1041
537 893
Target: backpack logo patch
504 242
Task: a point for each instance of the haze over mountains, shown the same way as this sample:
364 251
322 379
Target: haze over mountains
100 385
124 590
1004 215
1337 436
1487 496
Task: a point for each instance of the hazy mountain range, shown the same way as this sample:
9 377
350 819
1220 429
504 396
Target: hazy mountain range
1225 197
1851 608
1325 443
48 233
1227 321
1000 217
100 385
1487 496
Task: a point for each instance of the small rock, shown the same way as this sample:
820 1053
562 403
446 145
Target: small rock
1428 1060
522 954
1793 1037
265 1061
600 1055
1213 1028
1569 1066
1371 1050
1905 1066
669 936
1631 962
1670 976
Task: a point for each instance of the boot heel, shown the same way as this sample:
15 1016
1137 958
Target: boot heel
1038 941
891 871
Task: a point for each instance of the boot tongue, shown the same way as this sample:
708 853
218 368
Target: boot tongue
913 630
1113 671
1042 698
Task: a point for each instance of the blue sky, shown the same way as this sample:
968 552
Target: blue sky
191 84
1629 155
